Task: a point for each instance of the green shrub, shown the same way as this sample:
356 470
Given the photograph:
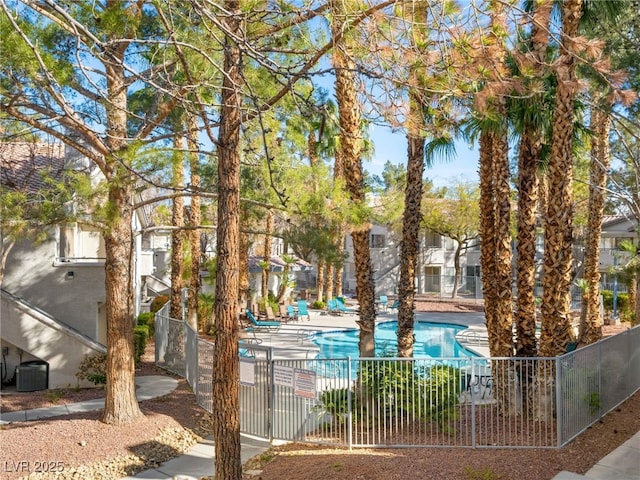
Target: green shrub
140 337
336 403
401 388
622 303
148 319
93 368
318 305
158 302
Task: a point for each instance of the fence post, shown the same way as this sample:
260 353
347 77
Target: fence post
474 410
196 383
628 356
270 395
350 407
559 403
600 396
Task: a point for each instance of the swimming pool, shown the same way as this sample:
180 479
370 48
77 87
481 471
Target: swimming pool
433 340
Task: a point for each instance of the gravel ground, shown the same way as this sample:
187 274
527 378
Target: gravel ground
80 446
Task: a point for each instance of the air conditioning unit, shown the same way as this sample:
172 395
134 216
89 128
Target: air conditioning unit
32 376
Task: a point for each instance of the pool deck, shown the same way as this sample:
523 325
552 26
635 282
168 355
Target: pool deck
294 340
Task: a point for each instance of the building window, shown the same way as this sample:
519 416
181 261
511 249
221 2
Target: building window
432 279
377 241
432 240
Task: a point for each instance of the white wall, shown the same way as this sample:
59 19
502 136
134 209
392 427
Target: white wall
70 292
42 338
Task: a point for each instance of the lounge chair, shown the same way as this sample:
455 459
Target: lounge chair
283 314
394 307
291 312
332 307
262 325
342 307
286 313
302 310
382 303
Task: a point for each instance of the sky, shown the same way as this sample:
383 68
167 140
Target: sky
392 146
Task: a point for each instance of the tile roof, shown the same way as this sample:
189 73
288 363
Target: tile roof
24 166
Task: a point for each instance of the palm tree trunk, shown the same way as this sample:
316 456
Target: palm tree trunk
556 329
320 281
530 148
487 232
195 219
266 254
599 165
328 286
528 197
494 224
341 231
350 150
178 234
243 274
412 217
456 269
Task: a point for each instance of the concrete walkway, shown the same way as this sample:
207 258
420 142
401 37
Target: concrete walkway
621 464
148 387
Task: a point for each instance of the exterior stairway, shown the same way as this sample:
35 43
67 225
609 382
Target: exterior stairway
39 334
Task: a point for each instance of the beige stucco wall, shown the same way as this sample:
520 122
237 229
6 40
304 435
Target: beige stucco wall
69 292
44 339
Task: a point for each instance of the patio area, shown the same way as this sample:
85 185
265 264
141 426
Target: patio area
294 340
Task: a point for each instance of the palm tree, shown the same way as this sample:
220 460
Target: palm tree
350 153
591 327
195 219
530 122
177 220
412 217
556 328
495 203
495 206
266 254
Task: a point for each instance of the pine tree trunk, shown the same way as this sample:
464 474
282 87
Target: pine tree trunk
226 422
121 405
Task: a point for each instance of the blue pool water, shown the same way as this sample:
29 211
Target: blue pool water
433 340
